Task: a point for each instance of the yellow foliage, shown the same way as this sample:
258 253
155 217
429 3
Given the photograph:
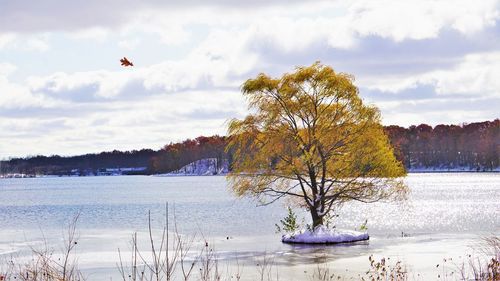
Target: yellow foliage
312 135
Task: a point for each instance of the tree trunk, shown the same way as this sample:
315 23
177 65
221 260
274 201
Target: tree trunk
316 218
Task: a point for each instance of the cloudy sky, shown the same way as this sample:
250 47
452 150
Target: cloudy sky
62 90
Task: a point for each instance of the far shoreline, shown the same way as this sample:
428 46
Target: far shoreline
22 176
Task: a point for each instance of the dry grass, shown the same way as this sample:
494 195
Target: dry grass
44 265
171 258
483 269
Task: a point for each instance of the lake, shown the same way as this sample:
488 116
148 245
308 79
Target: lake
445 216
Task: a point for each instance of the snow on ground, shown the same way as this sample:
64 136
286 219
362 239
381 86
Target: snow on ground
324 235
203 167
210 167
423 169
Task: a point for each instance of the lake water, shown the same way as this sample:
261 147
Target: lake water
445 216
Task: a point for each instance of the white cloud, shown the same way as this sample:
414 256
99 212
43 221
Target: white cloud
15 96
7 68
195 88
420 19
170 26
149 122
296 35
94 33
209 65
474 75
80 85
6 39
32 42
436 110
477 74
129 43
38 43
311 21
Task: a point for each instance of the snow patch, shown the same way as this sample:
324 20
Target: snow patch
324 235
202 167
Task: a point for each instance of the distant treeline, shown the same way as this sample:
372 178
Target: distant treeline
171 157
85 164
472 146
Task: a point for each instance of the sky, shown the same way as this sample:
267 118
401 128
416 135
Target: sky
63 91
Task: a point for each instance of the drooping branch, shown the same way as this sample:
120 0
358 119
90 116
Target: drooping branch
311 137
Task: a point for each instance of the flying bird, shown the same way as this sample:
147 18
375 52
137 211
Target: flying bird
125 62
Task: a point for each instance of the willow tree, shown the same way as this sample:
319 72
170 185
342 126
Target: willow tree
311 138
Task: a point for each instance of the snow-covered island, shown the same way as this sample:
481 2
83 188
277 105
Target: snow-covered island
323 235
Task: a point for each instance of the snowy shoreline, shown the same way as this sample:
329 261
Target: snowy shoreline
453 170
225 174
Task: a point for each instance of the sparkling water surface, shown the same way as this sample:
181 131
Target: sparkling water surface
446 214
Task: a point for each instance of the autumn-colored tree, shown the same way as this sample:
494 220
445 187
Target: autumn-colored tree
311 138
473 147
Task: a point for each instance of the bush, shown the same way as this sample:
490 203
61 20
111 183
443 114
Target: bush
289 223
